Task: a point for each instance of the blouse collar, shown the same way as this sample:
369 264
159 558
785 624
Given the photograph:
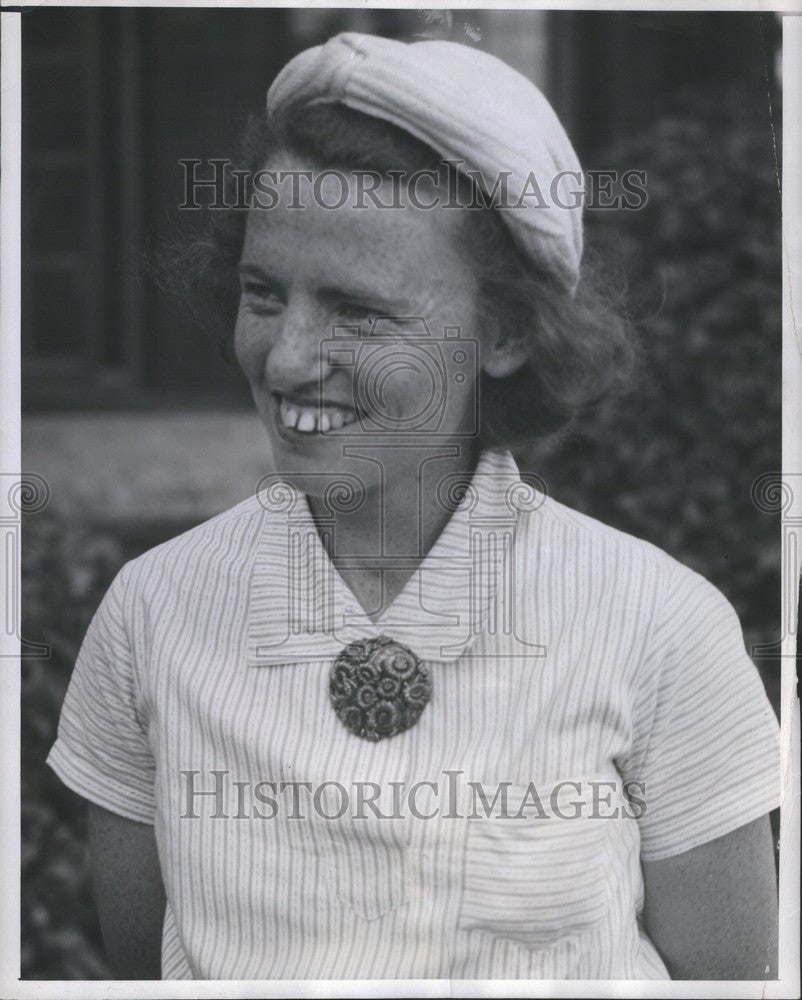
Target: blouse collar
302 610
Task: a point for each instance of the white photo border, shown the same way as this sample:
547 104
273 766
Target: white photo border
788 983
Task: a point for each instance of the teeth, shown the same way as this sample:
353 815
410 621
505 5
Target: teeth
309 419
289 415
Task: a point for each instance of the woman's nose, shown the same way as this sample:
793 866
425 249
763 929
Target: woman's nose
298 355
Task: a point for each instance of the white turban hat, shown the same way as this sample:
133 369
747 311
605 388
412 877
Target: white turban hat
466 105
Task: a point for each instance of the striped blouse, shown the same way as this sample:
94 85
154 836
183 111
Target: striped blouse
592 705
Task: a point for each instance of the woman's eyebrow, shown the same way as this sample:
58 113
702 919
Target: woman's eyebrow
367 295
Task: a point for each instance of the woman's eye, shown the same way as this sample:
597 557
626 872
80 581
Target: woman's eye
261 298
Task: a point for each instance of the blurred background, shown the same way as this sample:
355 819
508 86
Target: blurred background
142 431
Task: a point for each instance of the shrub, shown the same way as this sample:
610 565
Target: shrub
66 571
674 461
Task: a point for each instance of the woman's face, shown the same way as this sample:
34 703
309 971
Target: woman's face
326 377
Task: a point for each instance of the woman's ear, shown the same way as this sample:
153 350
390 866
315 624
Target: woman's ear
504 355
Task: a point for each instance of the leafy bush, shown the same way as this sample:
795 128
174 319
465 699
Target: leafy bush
675 461
65 574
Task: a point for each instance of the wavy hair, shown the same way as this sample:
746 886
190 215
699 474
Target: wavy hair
580 347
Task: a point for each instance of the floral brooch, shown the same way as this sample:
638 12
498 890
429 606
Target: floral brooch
378 687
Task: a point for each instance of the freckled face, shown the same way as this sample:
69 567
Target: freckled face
309 272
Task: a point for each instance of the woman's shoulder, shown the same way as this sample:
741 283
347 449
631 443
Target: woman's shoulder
592 566
580 541
220 544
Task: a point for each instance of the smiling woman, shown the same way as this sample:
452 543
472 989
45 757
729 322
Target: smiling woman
321 270
563 370
563 757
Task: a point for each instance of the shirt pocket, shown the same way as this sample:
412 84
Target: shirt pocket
542 879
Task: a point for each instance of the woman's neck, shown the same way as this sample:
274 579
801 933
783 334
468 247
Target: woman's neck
377 547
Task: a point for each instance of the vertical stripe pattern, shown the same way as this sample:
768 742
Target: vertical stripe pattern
567 659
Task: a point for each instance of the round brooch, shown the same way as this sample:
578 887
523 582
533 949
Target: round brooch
378 687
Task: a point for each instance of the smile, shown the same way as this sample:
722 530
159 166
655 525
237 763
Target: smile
318 418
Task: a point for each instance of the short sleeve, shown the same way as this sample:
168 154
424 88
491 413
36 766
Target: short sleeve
102 750
705 739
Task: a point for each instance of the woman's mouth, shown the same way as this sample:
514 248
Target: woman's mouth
312 418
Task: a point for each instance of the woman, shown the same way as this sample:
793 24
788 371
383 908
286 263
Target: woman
401 715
